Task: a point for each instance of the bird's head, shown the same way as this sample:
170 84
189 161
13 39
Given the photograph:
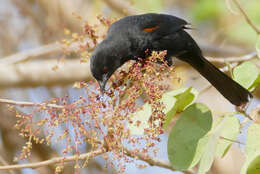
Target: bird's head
103 63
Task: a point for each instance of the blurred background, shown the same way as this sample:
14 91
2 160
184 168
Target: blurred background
31 68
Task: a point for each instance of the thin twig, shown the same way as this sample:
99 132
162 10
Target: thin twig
23 103
233 59
242 110
39 51
56 160
152 161
233 141
2 160
248 20
32 53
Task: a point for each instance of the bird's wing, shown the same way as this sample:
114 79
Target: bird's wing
160 25
156 25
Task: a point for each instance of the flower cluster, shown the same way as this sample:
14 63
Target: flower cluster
101 121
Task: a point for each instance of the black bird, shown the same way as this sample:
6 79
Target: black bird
130 37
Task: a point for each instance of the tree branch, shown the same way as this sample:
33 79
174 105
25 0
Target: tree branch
56 160
39 51
152 161
31 53
42 73
23 103
233 59
248 20
2 160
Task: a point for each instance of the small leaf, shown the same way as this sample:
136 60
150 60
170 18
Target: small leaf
208 155
252 164
174 101
230 132
193 124
140 120
246 75
182 98
252 141
200 150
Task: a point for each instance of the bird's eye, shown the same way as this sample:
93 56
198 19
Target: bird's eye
105 70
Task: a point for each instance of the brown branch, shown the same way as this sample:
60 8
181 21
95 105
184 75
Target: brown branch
39 51
248 20
152 161
41 73
2 160
32 53
123 7
23 103
233 59
56 160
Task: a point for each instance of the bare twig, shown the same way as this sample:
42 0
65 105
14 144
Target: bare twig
233 141
2 160
248 20
233 59
123 7
56 160
242 110
152 161
23 103
32 53
39 51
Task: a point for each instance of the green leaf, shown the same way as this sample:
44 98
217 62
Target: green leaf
252 164
200 150
247 75
257 46
229 132
252 141
227 127
208 155
182 97
140 120
174 101
193 124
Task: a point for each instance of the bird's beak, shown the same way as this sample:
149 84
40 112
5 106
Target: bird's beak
102 85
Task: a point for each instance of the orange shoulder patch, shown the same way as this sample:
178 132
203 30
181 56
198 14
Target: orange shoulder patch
151 29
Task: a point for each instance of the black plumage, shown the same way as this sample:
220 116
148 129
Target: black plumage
130 37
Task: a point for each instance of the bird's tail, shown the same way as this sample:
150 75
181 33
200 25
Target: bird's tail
230 89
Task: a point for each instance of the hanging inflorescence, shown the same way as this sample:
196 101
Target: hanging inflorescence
94 120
